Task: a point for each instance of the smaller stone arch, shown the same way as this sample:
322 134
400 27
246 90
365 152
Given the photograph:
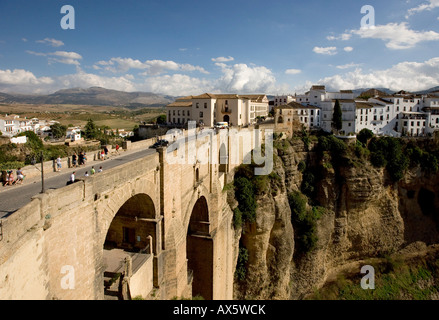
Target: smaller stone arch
199 251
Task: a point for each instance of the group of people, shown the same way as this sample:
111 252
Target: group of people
87 174
8 177
79 160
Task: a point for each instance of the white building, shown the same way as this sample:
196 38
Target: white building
283 100
208 109
399 114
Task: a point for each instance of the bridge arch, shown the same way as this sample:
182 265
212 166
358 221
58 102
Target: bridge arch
199 251
131 238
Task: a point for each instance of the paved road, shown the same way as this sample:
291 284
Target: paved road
13 198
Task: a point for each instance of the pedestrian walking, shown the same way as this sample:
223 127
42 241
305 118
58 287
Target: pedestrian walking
92 171
74 160
20 176
58 164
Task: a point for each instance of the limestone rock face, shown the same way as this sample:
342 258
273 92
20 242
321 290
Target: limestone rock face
366 216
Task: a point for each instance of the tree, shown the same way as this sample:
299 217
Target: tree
58 130
91 131
161 119
337 121
365 135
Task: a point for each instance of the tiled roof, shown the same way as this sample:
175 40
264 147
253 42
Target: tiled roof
180 104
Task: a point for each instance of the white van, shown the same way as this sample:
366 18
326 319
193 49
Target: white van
221 125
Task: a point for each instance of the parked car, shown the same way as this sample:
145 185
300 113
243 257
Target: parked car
160 143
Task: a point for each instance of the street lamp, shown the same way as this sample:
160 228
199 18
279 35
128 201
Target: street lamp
42 172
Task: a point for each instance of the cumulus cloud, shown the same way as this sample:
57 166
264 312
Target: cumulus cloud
19 80
430 5
245 79
51 42
293 71
412 76
326 50
348 49
397 35
223 59
176 85
151 67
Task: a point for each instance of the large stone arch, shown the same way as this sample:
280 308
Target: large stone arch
129 225
112 202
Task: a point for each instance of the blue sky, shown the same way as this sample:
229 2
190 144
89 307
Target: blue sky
241 46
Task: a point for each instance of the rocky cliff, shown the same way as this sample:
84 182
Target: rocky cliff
366 215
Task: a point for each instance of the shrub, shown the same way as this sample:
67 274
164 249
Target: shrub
237 218
304 221
241 266
364 136
301 166
245 195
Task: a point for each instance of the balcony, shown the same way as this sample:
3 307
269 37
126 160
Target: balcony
226 110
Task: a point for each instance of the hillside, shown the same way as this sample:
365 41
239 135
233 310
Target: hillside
91 96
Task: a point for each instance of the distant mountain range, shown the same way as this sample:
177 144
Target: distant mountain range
92 96
104 97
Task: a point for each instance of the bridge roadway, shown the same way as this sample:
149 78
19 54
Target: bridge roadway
14 197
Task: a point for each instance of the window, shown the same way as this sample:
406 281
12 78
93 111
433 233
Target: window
197 105
188 113
205 105
201 114
178 112
173 113
183 112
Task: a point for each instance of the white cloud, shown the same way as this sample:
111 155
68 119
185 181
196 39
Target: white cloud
411 76
397 35
64 57
51 42
293 71
223 59
151 67
348 49
348 66
241 78
342 37
326 51
176 84
432 4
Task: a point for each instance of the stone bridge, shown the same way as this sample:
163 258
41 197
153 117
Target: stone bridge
149 228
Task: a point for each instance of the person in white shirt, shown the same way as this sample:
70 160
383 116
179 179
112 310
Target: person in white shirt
72 178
